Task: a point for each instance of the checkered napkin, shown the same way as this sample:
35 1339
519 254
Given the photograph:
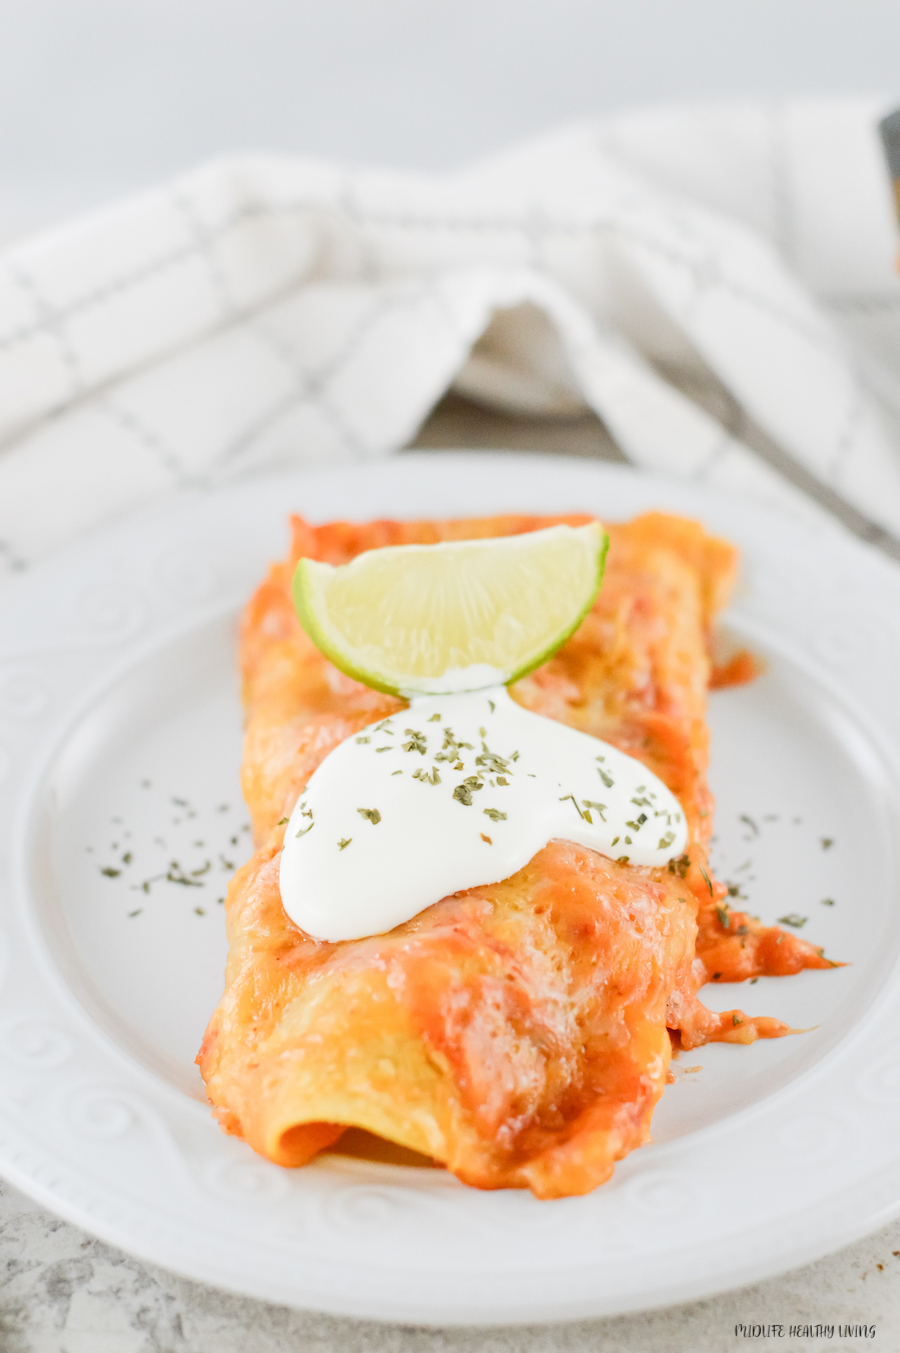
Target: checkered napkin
717 283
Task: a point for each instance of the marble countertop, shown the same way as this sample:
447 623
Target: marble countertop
62 1291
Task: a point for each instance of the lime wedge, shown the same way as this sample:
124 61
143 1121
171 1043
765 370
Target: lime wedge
460 616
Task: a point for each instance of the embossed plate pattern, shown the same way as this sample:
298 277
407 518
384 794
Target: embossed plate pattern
119 737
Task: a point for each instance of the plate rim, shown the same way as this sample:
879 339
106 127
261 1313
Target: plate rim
107 538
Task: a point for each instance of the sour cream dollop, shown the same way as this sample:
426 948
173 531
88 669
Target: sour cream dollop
457 791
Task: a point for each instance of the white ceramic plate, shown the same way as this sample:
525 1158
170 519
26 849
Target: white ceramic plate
119 750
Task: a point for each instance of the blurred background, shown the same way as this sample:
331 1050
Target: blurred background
100 96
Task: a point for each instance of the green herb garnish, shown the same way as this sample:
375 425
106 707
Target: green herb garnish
432 779
564 797
177 875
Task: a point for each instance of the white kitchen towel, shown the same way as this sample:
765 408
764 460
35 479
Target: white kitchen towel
265 311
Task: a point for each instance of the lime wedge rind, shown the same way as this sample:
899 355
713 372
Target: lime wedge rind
304 589
467 604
